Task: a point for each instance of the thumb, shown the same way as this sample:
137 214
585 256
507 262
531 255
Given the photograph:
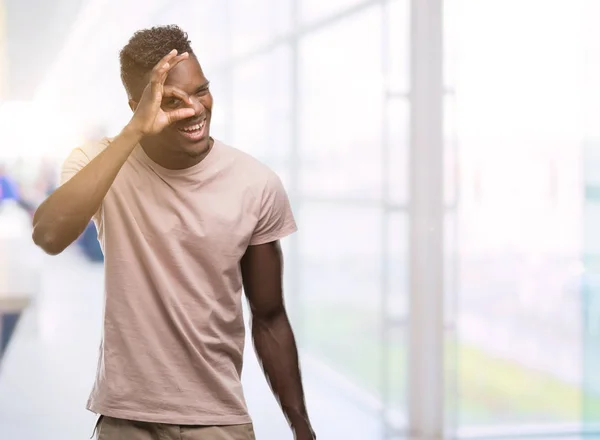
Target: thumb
178 115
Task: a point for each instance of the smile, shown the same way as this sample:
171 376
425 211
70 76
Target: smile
194 132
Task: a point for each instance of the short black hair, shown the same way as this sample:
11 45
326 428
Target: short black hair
145 49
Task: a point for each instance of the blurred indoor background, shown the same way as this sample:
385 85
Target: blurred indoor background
443 161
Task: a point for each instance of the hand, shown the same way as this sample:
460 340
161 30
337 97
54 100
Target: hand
149 118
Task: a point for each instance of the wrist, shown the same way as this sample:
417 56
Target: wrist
303 432
300 423
132 133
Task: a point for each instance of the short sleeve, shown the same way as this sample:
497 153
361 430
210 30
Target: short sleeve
73 164
276 220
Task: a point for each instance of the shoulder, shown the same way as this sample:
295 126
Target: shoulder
250 169
80 157
88 151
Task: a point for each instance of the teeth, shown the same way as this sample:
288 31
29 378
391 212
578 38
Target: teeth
195 127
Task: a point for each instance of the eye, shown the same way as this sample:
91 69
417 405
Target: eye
203 91
171 102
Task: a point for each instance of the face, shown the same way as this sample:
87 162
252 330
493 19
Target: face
189 137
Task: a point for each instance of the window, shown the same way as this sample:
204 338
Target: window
261 115
341 109
314 10
397 15
397 158
517 116
342 276
590 270
208 24
258 22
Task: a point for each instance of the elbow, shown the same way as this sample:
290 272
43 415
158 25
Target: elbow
47 241
269 317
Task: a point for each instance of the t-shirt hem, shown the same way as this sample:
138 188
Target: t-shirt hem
282 233
171 419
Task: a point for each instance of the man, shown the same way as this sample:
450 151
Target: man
184 222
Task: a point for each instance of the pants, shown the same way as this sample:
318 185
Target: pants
109 428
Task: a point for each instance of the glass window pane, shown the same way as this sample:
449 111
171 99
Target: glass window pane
591 63
520 223
313 10
340 273
220 88
398 154
396 266
451 266
395 319
398 45
589 287
451 146
590 270
516 70
256 22
341 291
451 279
452 16
261 114
341 108
396 363
209 27
341 287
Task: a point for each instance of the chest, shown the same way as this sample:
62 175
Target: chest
199 218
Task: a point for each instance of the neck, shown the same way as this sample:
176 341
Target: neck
172 160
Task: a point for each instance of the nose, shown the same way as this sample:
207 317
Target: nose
197 105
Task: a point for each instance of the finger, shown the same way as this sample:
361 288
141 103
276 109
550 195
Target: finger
178 115
159 75
172 91
173 62
157 79
165 60
162 66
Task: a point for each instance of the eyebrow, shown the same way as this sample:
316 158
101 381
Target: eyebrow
203 86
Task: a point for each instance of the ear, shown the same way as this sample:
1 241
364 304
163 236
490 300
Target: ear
132 104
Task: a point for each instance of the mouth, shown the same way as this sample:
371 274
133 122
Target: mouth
193 132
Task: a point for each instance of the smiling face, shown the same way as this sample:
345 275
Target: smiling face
186 140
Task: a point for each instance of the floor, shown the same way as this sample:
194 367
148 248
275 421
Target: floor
49 368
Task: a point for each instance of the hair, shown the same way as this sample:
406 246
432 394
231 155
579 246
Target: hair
145 49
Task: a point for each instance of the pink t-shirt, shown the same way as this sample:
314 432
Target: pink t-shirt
173 333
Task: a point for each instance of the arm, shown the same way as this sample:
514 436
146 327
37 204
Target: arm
63 216
274 341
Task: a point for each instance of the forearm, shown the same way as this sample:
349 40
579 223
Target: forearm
64 215
277 352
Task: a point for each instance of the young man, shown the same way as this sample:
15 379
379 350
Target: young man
184 222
